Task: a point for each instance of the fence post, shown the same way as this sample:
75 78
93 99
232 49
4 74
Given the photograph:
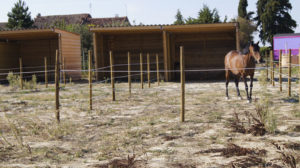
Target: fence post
90 80
157 69
299 73
148 69
64 73
272 68
112 78
290 73
141 69
129 74
57 115
46 73
280 70
267 64
182 79
21 72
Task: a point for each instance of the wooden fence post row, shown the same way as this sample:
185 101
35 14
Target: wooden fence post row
148 69
290 73
129 74
157 68
272 68
57 72
21 73
46 73
90 79
182 79
280 70
112 78
299 73
141 68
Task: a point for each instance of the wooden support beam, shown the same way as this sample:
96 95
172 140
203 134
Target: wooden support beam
129 74
280 70
57 74
238 48
182 80
90 79
165 49
95 43
112 77
290 73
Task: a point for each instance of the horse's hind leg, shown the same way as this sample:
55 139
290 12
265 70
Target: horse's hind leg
246 87
227 82
236 81
251 86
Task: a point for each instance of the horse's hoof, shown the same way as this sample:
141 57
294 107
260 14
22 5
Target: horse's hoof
240 97
249 100
226 98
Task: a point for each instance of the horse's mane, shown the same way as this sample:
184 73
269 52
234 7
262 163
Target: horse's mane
246 49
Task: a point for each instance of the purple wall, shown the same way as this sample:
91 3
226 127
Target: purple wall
285 43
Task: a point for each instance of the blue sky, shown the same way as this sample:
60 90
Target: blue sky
145 11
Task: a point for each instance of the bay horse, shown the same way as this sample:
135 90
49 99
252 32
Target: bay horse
240 65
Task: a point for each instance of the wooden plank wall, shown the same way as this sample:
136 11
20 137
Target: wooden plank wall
71 51
203 51
120 44
33 53
8 58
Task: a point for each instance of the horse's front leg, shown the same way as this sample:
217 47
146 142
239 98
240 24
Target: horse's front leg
236 81
251 86
246 86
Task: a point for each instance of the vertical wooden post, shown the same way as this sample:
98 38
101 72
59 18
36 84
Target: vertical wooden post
112 78
21 72
141 69
148 69
90 80
267 64
95 43
280 70
129 74
46 73
182 79
157 69
272 68
165 50
290 73
299 73
57 115
64 73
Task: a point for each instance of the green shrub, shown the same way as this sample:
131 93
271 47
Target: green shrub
32 84
14 80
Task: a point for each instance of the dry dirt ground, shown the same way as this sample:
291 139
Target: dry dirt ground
144 130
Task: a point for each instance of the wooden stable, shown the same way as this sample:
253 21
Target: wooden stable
34 45
205 47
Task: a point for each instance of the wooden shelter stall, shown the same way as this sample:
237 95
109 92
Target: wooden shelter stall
205 46
33 45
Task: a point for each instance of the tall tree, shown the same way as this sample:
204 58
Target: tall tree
242 9
273 17
206 15
19 17
179 18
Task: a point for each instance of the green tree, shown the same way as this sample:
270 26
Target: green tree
242 9
191 20
179 18
19 17
247 27
206 15
273 17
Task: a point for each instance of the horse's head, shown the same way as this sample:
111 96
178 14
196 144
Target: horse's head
254 51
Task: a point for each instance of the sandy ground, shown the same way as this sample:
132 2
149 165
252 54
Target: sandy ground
143 130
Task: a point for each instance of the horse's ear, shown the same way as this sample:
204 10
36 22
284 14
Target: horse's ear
257 43
251 43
